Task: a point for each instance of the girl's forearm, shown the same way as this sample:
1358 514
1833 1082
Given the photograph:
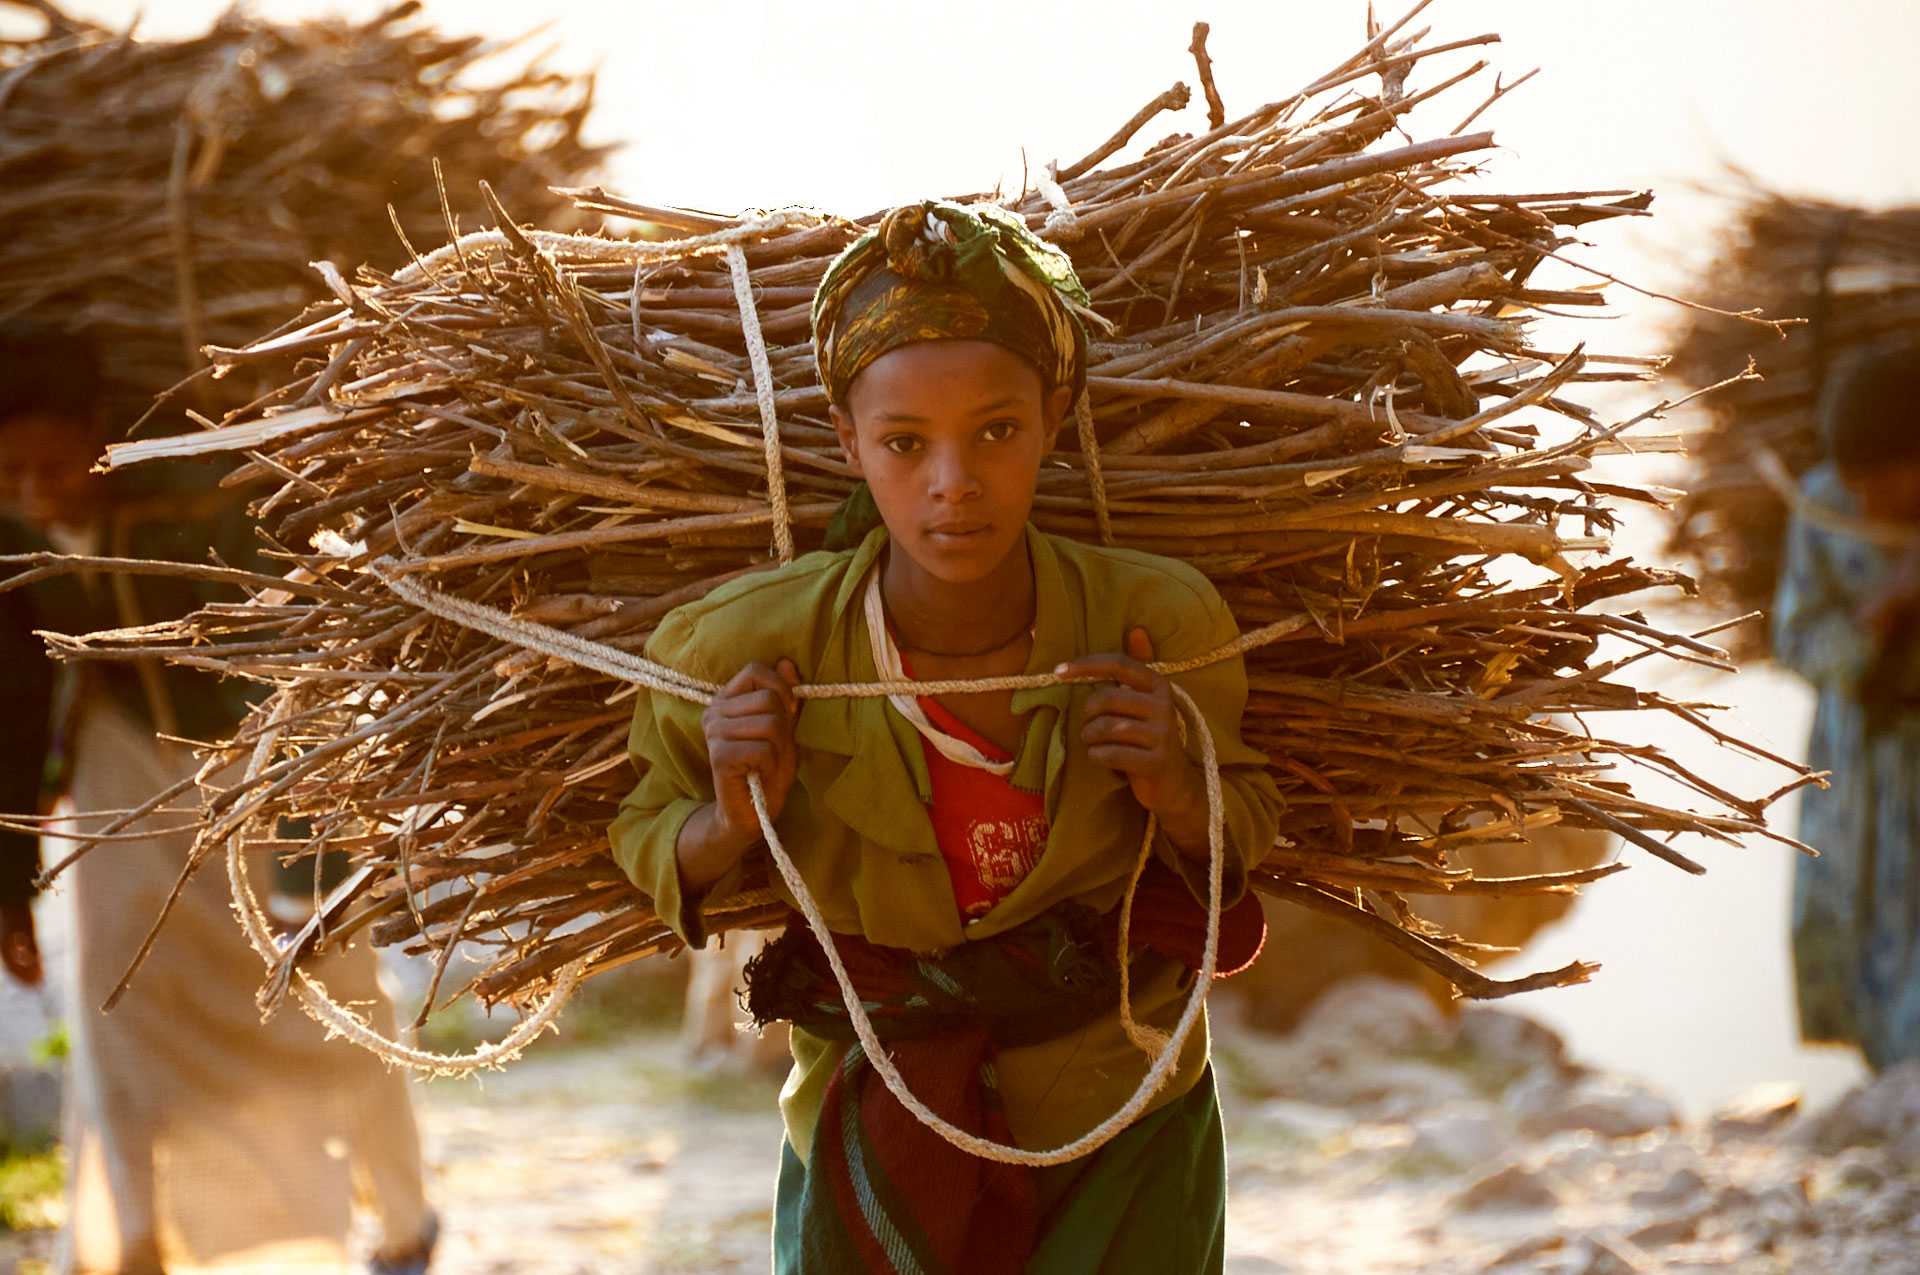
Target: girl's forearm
707 847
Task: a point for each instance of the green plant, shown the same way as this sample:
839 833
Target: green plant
53 1046
32 1184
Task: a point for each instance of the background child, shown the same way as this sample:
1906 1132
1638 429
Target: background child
195 1134
968 851
1846 621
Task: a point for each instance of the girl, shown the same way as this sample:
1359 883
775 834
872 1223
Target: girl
967 851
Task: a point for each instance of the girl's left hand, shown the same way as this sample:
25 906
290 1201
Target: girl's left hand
1134 727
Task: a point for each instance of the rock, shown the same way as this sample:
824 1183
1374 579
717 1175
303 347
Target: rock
1905 1150
1756 1113
1464 1135
1895 1207
1511 1188
1306 1121
1372 1016
1611 1106
1783 1208
1267 1066
1401 1089
1506 1045
1538 1093
1681 1187
1858 1169
1733 1199
1604 1259
1673 1230
1885 1110
1528 1250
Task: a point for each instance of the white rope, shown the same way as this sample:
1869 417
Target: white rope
763 390
1163 1062
1062 224
1090 456
338 1019
1151 1041
641 671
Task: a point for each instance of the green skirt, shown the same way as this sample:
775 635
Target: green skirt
1152 1201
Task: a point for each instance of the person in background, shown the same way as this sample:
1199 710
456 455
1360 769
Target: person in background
196 1135
1848 621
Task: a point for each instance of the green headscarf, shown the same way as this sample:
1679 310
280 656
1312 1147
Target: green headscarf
935 271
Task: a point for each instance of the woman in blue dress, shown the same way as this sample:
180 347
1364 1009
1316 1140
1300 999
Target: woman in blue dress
1848 620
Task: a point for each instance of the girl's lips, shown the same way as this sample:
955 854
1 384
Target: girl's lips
959 530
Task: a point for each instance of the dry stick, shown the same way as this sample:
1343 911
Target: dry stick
1216 110
38 826
1754 317
1500 90
153 932
88 841
1628 832
1469 980
45 566
1174 99
445 957
1329 175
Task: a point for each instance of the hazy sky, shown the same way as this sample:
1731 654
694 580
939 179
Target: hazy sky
855 104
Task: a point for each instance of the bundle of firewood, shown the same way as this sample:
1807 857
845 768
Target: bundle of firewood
1854 277
161 196
1319 388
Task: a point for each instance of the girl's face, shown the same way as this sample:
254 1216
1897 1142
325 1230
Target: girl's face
46 471
950 436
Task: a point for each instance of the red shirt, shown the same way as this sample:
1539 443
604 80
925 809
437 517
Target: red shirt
989 832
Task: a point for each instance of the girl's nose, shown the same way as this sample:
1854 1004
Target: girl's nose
953 476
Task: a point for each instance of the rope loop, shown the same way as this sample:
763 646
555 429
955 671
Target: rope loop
1165 1055
338 1019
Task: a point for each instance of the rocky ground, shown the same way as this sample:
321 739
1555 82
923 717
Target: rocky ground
1380 1137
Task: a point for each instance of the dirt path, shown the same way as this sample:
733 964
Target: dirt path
603 1160
1347 1158
1380 1139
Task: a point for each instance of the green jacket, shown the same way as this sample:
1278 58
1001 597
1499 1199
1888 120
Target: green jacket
855 819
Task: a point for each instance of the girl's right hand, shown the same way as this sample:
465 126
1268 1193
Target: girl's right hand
749 728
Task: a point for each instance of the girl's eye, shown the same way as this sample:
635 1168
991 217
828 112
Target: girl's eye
901 444
1000 431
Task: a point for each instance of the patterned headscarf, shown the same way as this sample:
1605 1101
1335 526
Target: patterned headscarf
936 271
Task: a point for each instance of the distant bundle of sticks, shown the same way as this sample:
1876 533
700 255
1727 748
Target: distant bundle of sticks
1854 277
161 196
1319 390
